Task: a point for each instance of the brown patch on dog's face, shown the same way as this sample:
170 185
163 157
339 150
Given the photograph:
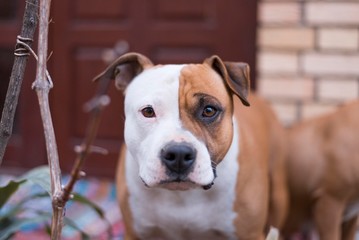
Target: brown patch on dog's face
206 108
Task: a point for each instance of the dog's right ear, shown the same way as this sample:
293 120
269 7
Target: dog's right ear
235 74
124 69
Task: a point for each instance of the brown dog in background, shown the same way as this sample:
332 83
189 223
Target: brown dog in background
323 172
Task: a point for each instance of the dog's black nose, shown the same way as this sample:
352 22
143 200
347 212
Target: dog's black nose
178 157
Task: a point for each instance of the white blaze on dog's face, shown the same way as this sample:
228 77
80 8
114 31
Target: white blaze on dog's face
178 105
178 117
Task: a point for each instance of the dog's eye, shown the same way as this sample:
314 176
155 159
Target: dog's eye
209 112
148 112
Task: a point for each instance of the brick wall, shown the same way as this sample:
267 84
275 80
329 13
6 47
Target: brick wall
308 55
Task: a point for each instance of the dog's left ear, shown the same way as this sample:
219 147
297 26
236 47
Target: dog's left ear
124 69
235 74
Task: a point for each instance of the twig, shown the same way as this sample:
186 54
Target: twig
95 106
17 74
42 87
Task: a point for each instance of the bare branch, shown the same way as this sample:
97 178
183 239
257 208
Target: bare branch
42 86
96 106
17 74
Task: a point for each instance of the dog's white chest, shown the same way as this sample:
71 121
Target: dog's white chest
192 214
177 216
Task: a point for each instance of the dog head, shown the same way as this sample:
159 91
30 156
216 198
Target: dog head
178 125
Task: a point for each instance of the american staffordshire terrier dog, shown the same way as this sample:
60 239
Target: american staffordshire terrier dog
323 174
197 164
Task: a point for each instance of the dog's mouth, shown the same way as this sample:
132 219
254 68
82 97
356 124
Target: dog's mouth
183 185
180 184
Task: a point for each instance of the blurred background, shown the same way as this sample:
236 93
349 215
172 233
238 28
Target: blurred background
304 58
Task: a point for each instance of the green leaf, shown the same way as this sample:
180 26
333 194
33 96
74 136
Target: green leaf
7 191
81 199
20 206
40 176
67 221
73 225
15 226
13 212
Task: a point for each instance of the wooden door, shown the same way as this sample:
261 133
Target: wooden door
166 31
